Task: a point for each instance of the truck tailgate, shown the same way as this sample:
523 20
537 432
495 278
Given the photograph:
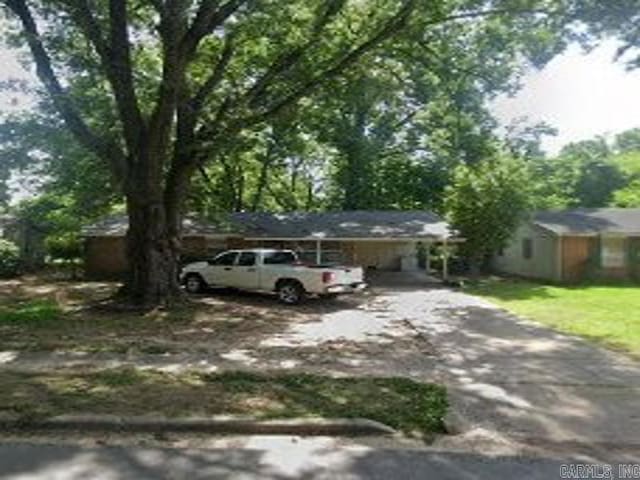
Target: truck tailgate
347 275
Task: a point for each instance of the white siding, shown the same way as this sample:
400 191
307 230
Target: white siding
543 263
382 255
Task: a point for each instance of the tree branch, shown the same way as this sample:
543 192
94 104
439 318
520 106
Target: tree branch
173 25
388 29
215 78
209 16
115 57
83 15
287 60
393 25
108 151
121 74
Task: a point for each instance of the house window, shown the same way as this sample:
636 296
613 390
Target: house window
527 248
612 252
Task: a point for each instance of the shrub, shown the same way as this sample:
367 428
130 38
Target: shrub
9 259
66 246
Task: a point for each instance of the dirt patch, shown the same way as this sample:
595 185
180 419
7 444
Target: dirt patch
67 319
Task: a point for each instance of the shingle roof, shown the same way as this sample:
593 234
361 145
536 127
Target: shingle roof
352 224
590 221
116 226
349 224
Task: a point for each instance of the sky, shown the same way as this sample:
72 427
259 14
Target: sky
580 94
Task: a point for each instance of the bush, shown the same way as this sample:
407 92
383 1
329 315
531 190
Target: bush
66 246
9 259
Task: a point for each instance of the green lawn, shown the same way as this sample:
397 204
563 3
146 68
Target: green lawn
606 313
415 408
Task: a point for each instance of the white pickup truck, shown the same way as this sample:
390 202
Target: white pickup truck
269 270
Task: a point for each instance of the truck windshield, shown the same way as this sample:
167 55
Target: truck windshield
279 258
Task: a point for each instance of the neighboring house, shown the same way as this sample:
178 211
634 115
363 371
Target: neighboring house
573 245
384 240
28 236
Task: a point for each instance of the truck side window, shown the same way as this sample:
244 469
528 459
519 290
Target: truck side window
279 258
225 259
247 259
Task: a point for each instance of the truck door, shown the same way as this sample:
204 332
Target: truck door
245 272
220 269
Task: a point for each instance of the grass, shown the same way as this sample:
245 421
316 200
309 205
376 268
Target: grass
414 408
30 313
606 313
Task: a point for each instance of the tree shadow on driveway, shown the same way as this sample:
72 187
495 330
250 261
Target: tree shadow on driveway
516 377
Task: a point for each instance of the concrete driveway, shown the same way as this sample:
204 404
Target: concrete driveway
524 380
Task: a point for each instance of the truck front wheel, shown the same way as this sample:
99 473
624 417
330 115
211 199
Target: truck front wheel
194 283
290 292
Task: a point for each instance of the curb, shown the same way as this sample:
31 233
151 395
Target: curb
455 423
456 420
211 425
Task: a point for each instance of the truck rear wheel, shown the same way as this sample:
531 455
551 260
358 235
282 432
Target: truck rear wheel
290 292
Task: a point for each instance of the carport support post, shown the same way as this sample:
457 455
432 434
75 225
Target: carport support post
427 256
445 260
318 252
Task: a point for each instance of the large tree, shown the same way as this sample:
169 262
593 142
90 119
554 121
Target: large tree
185 79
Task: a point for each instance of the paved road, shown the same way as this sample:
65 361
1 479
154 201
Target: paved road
283 459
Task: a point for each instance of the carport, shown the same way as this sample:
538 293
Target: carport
378 241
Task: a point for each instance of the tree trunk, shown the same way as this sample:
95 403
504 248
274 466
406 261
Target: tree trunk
262 179
152 255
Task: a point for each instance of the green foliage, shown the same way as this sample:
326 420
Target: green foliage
66 246
524 140
597 182
591 173
383 134
486 202
37 145
51 226
628 141
402 122
629 196
628 162
619 19
9 259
